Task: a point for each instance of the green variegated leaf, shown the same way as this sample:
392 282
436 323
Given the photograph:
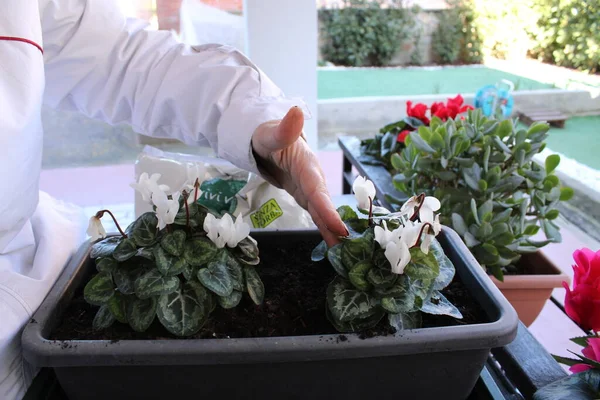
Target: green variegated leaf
447 270
216 278
347 213
356 325
146 252
167 264
103 319
106 247
184 311
118 307
404 321
247 251
190 273
174 242
334 255
199 251
347 304
125 277
153 283
99 289
438 304
144 229
358 275
381 278
106 264
318 253
140 313
254 284
422 266
234 268
357 250
125 250
581 386
400 304
230 301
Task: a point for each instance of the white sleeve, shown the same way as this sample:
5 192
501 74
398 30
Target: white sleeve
115 69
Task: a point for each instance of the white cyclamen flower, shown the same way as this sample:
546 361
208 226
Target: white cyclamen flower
426 210
382 235
398 254
147 185
95 229
224 231
166 209
364 191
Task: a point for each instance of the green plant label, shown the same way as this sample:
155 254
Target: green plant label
218 194
266 214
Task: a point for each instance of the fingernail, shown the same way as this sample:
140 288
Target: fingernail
347 231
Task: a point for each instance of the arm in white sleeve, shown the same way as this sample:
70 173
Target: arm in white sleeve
115 69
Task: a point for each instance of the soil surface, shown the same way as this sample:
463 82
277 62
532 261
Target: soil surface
294 305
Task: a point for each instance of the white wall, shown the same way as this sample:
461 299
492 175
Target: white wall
281 39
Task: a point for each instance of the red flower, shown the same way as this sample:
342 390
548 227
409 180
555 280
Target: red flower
592 351
582 304
441 112
418 111
455 106
402 136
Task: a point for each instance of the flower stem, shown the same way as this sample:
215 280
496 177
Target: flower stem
421 199
100 214
370 211
196 186
425 225
187 211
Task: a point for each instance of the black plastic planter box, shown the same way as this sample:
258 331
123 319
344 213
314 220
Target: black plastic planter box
430 363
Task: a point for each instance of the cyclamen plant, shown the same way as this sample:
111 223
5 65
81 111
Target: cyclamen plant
390 265
492 191
391 138
176 263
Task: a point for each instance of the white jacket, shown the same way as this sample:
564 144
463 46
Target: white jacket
84 55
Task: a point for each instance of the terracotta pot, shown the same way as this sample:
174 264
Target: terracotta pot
528 293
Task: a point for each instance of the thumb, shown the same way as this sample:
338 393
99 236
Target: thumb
272 137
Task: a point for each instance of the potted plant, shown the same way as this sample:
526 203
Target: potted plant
276 342
582 304
494 195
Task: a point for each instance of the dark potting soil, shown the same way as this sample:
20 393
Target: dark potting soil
294 305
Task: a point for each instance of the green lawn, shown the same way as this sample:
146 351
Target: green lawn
579 140
398 82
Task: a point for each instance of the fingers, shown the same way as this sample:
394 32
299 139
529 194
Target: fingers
271 137
330 237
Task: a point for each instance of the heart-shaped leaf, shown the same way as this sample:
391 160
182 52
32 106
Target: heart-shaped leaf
140 313
381 278
348 304
347 213
447 270
106 264
174 242
103 319
358 275
438 304
356 325
106 247
230 301
118 307
404 321
254 285
334 255
216 278
153 283
184 311
199 251
143 231
167 264
125 250
318 253
247 251
357 250
125 277
234 268
99 289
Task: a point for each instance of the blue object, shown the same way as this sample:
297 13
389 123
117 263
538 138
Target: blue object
496 100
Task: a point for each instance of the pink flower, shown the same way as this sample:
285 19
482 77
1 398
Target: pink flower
582 303
592 351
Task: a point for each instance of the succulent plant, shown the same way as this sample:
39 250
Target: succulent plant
492 192
390 265
178 274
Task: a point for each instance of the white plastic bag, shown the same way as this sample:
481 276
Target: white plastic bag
226 188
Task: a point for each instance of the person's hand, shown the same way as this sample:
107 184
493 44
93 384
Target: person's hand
287 161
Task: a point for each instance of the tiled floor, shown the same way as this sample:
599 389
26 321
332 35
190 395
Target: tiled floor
108 187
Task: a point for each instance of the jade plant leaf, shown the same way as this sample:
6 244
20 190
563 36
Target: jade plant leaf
404 321
198 252
99 289
106 247
247 251
334 255
256 288
167 264
216 278
143 231
125 277
103 319
125 250
318 253
140 313
174 242
184 311
230 301
118 307
358 275
438 304
106 264
153 283
347 304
